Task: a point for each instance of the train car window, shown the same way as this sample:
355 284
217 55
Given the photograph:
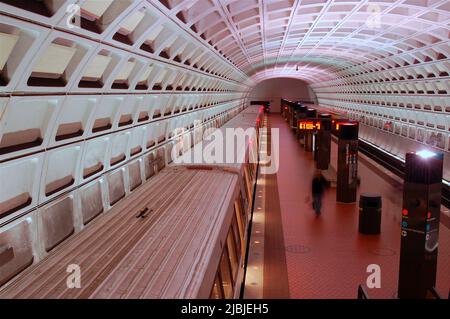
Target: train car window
253 167
245 195
232 255
236 237
217 291
248 184
249 170
238 214
242 206
225 275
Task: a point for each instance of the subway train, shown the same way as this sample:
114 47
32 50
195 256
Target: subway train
180 233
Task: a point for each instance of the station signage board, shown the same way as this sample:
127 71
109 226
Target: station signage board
309 125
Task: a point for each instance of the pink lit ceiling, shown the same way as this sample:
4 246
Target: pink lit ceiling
316 39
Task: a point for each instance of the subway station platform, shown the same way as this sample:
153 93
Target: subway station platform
305 256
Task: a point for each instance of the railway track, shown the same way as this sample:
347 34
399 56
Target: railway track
396 166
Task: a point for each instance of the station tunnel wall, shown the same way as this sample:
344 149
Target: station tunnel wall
274 89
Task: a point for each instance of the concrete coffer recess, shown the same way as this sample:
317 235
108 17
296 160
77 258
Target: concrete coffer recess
149 166
16 251
57 222
91 202
116 187
134 171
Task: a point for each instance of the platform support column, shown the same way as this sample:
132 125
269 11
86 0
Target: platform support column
420 224
323 141
311 114
347 171
301 115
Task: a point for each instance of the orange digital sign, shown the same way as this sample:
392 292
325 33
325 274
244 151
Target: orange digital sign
309 126
338 125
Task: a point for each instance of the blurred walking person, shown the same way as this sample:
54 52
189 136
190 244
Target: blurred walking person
317 192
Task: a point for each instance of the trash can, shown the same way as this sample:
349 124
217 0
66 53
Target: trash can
370 213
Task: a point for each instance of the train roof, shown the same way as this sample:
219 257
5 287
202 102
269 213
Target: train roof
233 152
161 254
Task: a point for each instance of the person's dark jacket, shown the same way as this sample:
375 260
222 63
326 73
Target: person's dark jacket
317 185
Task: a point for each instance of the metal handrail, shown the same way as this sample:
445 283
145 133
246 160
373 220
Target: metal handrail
362 294
433 293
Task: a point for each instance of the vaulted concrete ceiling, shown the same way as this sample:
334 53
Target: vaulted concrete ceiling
318 39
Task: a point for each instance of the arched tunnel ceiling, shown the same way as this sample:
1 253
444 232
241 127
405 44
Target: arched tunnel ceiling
271 38
248 41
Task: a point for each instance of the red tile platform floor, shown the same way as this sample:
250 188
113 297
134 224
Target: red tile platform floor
326 256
